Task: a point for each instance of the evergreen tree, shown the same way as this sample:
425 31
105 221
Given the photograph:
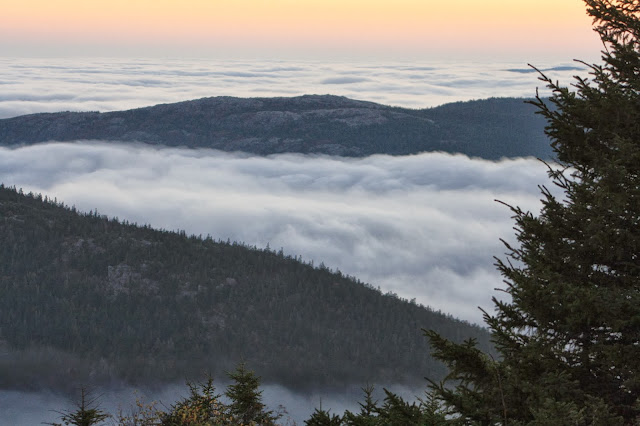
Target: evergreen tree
322 417
394 411
368 411
203 408
397 411
87 412
569 337
246 405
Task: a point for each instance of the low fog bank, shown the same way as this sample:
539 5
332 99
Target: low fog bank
422 226
19 408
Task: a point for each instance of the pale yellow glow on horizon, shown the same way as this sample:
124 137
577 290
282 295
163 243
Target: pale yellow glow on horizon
464 24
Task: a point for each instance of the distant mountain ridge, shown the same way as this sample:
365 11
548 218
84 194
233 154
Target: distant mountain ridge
323 124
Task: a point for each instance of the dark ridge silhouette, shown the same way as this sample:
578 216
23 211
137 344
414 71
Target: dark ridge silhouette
333 125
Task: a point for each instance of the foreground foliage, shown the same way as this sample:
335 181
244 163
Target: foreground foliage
394 411
203 407
243 407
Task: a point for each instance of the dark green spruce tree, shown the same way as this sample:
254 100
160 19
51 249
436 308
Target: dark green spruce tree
569 334
87 412
246 405
322 417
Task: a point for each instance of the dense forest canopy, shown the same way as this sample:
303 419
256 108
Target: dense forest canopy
88 296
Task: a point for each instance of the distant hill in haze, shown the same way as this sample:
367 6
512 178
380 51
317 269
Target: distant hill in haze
490 129
87 298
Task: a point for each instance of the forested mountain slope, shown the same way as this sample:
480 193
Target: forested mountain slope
491 128
89 298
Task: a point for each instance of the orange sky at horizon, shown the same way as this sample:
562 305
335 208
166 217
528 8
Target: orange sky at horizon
412 25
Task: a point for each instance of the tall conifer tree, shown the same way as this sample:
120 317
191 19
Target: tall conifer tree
569 337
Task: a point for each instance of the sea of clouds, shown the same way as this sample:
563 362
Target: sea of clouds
54 84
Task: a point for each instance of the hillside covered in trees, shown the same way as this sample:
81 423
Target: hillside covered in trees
334 125
88 297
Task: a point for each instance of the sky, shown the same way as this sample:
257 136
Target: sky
297 28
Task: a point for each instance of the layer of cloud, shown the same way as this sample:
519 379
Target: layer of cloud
51 85
423 226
